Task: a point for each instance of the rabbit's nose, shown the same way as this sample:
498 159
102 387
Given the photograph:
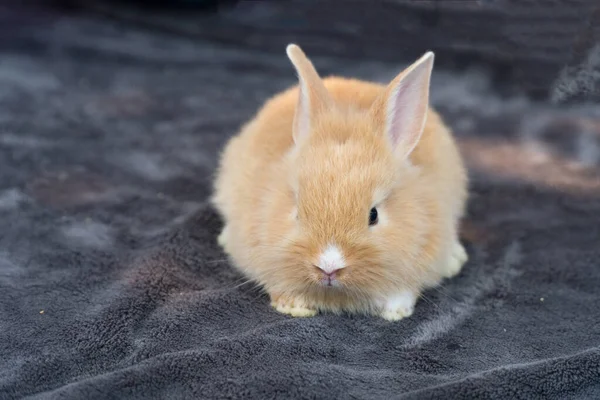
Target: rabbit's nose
330 275
331 260
330 278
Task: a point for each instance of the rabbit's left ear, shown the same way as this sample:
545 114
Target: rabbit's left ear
404 104
313 97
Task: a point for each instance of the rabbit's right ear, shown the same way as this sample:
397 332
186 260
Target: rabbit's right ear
403 106
313 96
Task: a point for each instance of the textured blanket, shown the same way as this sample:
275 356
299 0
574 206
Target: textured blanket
112 284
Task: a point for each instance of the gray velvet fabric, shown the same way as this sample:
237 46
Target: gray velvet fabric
112 285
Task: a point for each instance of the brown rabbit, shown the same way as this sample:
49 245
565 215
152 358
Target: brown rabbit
343 195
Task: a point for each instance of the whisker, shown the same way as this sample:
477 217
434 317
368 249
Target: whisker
217 261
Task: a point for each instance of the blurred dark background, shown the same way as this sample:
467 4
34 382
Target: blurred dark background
112 118
548 48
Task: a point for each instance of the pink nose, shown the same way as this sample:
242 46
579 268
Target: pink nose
330 274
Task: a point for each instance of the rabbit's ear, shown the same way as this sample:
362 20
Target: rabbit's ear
404 104
313 96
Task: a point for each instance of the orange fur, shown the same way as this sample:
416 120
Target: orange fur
283 202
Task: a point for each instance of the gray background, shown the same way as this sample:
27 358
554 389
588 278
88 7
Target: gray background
112 285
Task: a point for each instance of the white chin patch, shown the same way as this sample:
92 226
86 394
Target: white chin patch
331 259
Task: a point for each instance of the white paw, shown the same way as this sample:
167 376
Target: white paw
399 306
222 239
293 307
458 258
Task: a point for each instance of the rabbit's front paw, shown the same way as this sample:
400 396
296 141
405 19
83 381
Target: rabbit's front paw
399 306
222 239
292 306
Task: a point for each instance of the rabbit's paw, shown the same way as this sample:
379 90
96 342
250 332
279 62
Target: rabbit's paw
222 239
292 306
399 306
458 258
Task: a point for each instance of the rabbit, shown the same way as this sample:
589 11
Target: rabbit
343 195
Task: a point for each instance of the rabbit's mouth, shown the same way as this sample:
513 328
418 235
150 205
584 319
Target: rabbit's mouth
328 278
330 281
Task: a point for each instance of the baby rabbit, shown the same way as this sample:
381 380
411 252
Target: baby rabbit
343 195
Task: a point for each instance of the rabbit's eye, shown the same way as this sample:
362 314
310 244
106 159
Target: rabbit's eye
373 218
